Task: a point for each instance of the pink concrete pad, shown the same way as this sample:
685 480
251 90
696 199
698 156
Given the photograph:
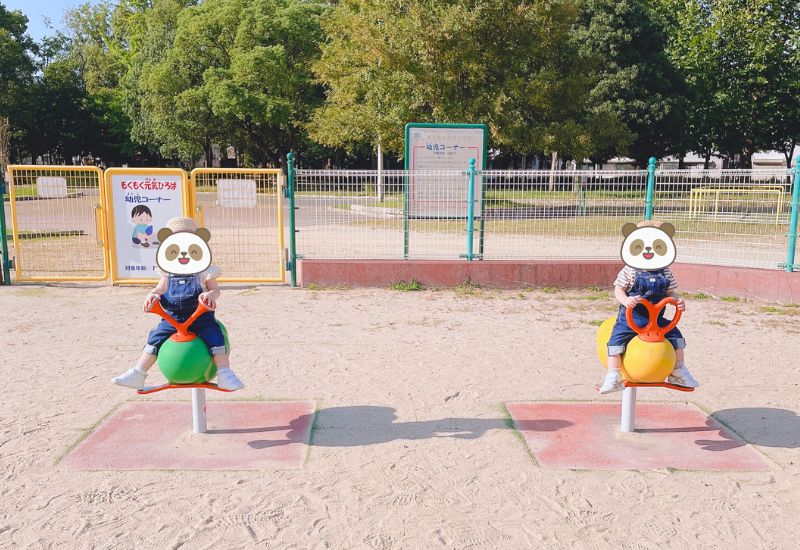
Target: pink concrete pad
586 436
158 435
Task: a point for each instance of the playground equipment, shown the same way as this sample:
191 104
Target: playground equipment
185 362
648 358
700 199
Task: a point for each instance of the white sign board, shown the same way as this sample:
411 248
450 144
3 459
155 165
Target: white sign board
236 193
438 149
51 187
142 204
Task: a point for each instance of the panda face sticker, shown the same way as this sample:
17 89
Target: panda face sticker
648 248
184 252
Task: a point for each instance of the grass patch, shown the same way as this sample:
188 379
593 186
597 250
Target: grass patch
408 286
791 309
467 288
594 226
596 323
695 295
716 323
550 289
730 298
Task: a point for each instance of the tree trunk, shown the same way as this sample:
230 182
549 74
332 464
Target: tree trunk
706 159
681 162
553 163
787 154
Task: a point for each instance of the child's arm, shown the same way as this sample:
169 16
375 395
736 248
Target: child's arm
210 297
154 295
680 304
623 298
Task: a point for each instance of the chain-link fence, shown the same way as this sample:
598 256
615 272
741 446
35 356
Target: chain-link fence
728 217
731 217
57 220
243 210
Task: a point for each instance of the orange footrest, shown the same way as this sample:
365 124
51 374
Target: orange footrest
658 385
154 389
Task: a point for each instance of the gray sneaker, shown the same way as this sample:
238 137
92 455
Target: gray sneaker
682 377
131 378
613 382
227 380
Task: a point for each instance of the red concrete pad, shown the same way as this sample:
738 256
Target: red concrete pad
158 435
586 436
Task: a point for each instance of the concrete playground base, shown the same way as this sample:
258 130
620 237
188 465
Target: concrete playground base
158 436
586 436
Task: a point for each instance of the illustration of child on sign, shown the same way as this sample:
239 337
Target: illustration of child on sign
142 230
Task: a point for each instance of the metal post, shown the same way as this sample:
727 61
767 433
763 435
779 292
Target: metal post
6 263
405 216
651 189
793 217
470 208
199 421
380 173
628 420
292 231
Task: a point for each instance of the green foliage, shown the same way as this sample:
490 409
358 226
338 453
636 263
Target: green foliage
741 62
237 72
408 286
635 81
499 62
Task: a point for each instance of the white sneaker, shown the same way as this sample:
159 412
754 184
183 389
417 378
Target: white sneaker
131 378
682 377
227 380
613 382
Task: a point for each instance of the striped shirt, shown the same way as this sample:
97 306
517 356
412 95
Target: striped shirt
627 276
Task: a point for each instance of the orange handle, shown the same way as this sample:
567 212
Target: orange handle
651 332
182 328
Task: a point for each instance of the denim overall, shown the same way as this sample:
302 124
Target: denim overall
651 285
180 300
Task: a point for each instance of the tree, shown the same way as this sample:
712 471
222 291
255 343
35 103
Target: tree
635 79
741 60
16 71
236 72
507 64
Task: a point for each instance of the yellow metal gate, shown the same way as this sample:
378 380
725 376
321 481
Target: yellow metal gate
243 210
58 223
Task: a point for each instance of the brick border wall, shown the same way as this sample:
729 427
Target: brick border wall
765 284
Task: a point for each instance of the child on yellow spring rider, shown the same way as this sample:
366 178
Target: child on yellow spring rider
648 250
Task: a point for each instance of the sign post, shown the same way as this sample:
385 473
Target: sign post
431 150
141 201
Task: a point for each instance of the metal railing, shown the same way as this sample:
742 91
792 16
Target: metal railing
729 217
242 208
58 223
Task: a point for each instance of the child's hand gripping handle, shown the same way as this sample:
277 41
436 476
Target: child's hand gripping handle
182 328
651 332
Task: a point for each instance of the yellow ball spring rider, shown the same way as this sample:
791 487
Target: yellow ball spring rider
649 358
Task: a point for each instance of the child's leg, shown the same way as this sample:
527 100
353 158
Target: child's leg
146 360
226 378
680 375
135 377
208 329
620 336
613 380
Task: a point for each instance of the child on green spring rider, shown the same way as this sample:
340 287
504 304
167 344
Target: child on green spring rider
187 277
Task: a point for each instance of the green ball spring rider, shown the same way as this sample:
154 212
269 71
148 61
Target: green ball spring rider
185 362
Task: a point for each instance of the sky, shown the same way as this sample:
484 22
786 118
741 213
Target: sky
37 10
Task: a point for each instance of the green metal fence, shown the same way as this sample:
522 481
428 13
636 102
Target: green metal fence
727 217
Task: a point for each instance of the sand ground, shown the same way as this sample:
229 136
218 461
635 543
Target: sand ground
411 447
